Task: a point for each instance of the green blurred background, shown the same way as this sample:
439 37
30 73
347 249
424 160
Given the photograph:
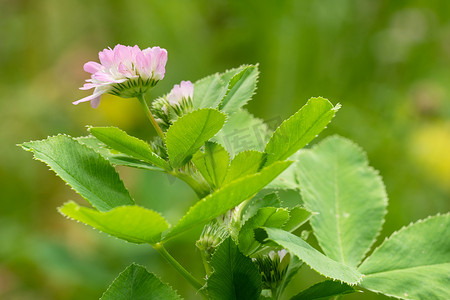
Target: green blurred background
386 62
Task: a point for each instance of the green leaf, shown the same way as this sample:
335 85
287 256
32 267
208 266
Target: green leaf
265 217
136 283
190 132
313 258
240 89
252 207
413 263
235 276
324 290
132 223
241 132
297 217
245 163
119 140
209 91
212 163
229 74
88 173
226 198
348 195
115 159
288 179
301 128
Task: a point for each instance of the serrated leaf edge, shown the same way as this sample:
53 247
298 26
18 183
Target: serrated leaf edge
334 108
66 183
244 67
58 209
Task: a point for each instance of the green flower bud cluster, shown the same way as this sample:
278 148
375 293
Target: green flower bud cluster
273 267
213 234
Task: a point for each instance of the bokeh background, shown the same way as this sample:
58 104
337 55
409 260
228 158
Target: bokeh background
386 62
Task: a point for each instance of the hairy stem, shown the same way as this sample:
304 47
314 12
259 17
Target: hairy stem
208 269
150 116
176 265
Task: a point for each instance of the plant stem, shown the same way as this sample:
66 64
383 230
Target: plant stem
200 189
208 269
150 116
176 265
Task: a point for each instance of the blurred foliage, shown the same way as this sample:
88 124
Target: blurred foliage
387 62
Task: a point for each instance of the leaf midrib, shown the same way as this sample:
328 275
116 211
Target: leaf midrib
336 207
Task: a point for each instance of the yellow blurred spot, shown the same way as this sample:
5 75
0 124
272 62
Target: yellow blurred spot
116 110
430 148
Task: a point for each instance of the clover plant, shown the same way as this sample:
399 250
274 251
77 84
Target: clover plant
252 243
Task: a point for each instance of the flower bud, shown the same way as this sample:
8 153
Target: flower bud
213 234
273 267
175 104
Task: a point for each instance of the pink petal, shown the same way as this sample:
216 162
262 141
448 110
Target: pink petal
92 67
95 102
100 76
106 57
135 51
89 98
88 86
122 54
187 89
161 60
143 65
125 71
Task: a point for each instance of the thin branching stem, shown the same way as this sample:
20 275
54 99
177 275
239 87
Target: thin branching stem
150 116
179 268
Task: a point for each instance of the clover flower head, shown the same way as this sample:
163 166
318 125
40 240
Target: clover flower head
124 71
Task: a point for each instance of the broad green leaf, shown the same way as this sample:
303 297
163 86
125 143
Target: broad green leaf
119 140
226 198
235 276
241 132
212 163
288 179
252 207
190 132
86 171
413 263
114 158
136 283
301 128
265 217
297 217
132 223
324 290
245 163
348 195
313 258
240 89
209 91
